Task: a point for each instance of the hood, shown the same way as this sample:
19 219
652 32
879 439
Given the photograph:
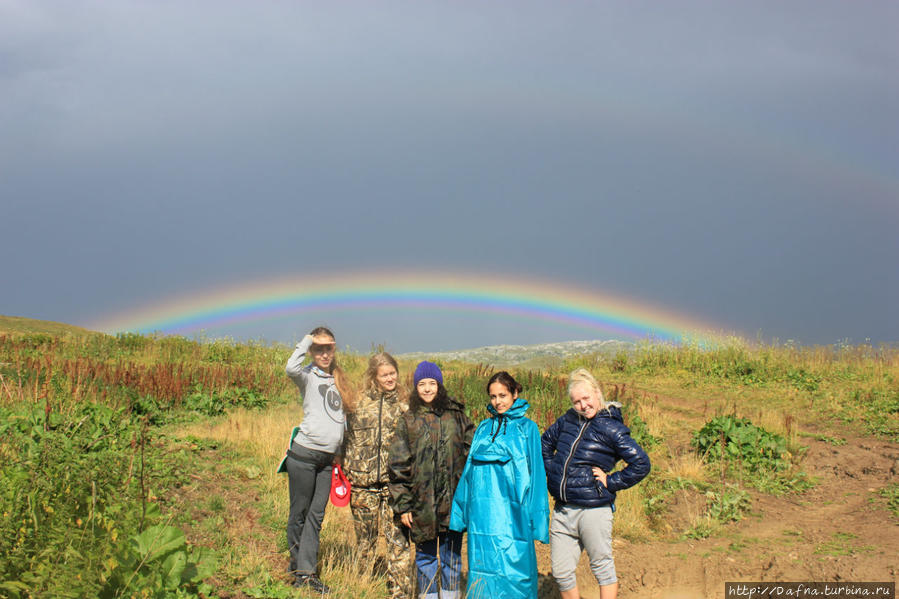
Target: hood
321 372
518 409
500 421
612 410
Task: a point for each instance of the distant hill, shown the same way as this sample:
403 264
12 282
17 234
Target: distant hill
18 324
531 356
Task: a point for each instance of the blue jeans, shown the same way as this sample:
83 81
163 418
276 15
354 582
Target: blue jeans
441 556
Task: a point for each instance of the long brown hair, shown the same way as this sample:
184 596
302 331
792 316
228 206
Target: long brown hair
370 378
439 405
341 380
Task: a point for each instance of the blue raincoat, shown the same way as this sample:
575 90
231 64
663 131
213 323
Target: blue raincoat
501 500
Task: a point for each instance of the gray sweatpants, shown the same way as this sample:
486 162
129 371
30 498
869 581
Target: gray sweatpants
309 480
574 529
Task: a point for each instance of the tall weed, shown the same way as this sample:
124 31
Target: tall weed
73 489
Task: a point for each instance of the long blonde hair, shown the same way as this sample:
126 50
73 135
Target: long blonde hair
370 378
341 380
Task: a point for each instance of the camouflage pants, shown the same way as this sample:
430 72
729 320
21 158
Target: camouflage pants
372 516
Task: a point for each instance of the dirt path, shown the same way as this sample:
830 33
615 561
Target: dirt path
837 531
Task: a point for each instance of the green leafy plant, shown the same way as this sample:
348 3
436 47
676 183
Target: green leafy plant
155 563
803 380
784 482
729 504
215 403
209 404
880 410
639 429
70 483
701 530
269 589
737 439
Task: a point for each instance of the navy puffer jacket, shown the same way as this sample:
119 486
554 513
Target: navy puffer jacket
573 444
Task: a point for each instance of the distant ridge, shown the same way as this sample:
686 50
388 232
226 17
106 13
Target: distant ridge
535 356
20 324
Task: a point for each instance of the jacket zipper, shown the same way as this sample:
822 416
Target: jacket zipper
436 463
568 459
380 414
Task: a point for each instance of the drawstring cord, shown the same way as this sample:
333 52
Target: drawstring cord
501 423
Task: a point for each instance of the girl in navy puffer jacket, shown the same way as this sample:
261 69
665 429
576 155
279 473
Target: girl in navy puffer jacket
579 450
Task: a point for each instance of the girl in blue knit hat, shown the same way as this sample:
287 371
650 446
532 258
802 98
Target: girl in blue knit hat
426 460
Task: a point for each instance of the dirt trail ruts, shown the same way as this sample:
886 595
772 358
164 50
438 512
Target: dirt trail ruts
838 531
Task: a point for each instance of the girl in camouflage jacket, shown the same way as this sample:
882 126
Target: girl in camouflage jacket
426 460
371 428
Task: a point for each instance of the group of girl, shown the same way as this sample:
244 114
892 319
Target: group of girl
420 471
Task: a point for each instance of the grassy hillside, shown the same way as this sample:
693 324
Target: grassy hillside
18 324
136 466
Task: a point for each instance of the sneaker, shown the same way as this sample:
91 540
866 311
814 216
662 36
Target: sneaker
313 582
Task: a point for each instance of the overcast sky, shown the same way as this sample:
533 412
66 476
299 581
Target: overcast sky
734 162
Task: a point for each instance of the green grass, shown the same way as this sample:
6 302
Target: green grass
739 544
842 543
890 493
93 451
20 325
835 441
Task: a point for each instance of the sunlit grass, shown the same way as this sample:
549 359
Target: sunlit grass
240 504
630 519
262 436
687 465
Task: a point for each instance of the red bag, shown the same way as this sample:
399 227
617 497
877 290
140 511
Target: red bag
340 487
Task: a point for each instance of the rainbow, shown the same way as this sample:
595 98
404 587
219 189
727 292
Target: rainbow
540 299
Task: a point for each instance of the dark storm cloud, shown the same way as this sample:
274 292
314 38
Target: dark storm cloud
734 162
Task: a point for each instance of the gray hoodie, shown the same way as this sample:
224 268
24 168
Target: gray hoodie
323 419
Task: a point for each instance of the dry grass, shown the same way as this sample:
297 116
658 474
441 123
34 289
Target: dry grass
687 465
630 518
657 421
262 436
261 433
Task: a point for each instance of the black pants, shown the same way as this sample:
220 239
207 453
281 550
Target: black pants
309 477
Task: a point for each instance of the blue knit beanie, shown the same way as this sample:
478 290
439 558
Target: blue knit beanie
428 370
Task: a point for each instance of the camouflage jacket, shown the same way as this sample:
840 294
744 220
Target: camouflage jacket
426 460
371 428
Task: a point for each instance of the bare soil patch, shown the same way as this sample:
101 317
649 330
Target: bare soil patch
837 531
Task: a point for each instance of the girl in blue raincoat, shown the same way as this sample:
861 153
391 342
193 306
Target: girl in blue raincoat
501 499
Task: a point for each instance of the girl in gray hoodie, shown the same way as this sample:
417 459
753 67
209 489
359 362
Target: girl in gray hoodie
313 450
